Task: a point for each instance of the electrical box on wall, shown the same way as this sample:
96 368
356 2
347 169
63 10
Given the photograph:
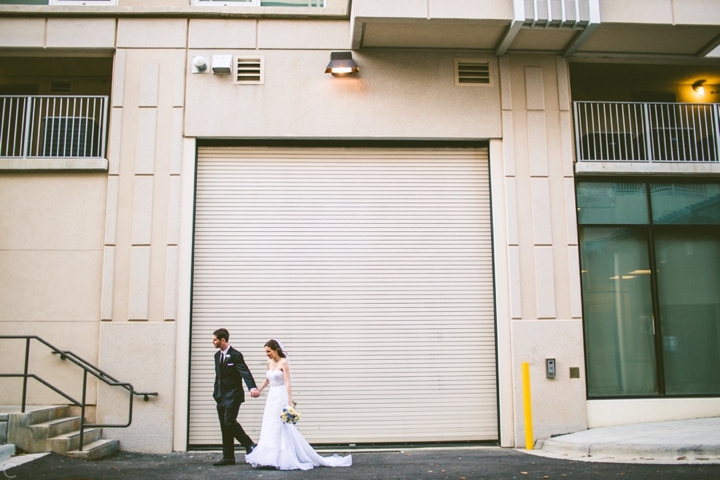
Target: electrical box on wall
550 368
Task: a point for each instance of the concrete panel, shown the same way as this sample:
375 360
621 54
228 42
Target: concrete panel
542 40
115 141
108 283
397 94
534 88
505 84
620 411
575 287
85 33
142 210
545 282
563 78
696 12
43 211
402 9
111 210
541 211
659 39
173 220
139 283
511 211
80 338
151 33
149 77
293 34
515 282
537 144
176 141
144 355
145 144
50 285
558 405
179 78
421 34
222 33
118 89
171 282
570 211
566 144
471 9
508 143
647 11
22 32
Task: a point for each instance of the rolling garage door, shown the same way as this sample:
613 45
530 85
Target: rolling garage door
372 266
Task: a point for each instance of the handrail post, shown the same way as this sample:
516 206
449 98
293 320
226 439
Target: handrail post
716 131
28 124
82 411
25 374
648 133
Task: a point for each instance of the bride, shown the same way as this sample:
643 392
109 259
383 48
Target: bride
281 444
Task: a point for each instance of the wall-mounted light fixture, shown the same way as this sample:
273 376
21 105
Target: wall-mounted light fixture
341 64
698 87
199 64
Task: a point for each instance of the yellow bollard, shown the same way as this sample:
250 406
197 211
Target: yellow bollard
529 440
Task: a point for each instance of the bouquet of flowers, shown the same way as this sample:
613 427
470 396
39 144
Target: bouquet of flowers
290 415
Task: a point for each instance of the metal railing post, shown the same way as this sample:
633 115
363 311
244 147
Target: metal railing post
25 374
82 411
648 133
28 123
716 131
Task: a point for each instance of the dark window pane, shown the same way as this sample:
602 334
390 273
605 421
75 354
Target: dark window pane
689 298
619 337
24 2
612 203
686 203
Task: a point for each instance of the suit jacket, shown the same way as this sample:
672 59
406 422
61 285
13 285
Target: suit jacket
229 377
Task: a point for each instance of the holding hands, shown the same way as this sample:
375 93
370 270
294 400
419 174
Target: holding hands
254 393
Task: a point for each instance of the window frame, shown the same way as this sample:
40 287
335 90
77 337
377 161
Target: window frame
83 3
651 228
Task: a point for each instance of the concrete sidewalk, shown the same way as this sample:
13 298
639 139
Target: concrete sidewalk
686 441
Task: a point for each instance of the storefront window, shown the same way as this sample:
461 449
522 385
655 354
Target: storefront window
651 289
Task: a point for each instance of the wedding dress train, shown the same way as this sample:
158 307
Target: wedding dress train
281 445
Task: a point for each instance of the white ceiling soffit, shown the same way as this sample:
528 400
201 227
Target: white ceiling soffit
580 15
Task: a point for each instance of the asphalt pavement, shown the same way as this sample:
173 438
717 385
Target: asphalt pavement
440 463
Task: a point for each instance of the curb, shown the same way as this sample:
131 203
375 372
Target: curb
628 449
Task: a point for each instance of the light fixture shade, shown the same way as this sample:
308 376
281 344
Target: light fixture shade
698 87
341 63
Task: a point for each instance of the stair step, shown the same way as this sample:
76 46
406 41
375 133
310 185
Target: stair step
55 427
26 438
6 451
95 450
71 441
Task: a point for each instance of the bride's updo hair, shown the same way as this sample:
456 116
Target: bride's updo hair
273 345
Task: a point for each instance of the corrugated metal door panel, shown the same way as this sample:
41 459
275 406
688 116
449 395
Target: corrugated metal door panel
372 266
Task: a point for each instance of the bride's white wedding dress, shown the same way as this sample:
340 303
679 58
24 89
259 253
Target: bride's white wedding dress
281 445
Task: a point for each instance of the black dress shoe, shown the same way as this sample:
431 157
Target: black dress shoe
224 462
249 449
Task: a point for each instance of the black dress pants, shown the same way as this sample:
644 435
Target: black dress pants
231 429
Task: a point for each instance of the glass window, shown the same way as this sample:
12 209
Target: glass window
688 279
612 203
617 303
685 203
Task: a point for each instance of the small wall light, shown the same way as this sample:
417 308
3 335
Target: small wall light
199 64
698 87
221 64
341 63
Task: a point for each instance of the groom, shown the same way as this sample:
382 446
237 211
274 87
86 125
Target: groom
230 371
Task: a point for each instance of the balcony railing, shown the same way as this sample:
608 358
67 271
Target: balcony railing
646 132
40 126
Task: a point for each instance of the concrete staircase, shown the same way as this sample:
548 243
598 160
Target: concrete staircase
50 429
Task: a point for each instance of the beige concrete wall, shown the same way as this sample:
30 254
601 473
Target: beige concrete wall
51 230
539 279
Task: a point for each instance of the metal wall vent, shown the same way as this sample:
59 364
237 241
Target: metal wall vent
61 86
249 70
472 72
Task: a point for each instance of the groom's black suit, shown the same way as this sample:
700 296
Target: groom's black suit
229 394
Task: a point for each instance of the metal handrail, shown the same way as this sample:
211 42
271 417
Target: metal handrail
87 368
647 132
